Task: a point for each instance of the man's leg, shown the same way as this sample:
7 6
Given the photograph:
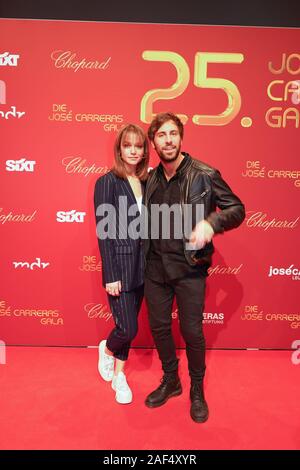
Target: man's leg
190 293
159 297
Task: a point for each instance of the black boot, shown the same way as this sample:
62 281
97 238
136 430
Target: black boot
170 387
199 408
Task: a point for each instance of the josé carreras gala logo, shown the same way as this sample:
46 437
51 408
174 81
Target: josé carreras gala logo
255 313
284 91
44 315
257 170
292 272
63 114
90 263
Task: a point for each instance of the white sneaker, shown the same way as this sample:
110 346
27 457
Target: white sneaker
106 363
122 389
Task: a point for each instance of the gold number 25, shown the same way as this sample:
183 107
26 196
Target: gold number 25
201 80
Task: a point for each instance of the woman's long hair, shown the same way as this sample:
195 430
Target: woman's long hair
142 167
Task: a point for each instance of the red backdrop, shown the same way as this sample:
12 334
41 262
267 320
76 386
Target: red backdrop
65 89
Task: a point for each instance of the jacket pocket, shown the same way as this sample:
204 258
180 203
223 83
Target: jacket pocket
194 198
123 250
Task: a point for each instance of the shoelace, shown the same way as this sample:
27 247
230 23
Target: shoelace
108 362
198 391
108 358
122 384
166 379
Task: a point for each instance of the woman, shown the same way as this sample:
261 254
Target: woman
118 200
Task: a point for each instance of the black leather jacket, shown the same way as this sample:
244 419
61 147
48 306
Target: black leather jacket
200 183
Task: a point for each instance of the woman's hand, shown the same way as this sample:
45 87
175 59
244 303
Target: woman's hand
113 288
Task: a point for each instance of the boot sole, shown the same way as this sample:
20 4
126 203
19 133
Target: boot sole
201 420
156 405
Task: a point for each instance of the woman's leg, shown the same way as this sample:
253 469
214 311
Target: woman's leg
125 309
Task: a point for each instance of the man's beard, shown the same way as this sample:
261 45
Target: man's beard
167 159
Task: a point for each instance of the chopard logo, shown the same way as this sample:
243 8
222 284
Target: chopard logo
219 269
68 60
97 311
10 217
79 165
260 220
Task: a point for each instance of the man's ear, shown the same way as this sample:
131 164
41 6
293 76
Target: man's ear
152 143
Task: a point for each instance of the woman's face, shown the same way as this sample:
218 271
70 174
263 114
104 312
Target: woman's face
132 150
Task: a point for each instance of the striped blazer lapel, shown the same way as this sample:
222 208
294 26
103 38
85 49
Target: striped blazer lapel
129 193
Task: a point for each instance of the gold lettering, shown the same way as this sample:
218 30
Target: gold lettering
282 66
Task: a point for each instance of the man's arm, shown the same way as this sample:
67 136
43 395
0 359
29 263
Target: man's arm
231 214
232 210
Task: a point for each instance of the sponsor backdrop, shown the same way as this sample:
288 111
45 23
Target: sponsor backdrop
65 90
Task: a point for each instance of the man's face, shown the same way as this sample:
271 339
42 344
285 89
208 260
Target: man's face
167 142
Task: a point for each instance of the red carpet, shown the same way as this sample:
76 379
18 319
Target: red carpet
53 398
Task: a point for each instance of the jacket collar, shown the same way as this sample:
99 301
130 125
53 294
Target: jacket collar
181 170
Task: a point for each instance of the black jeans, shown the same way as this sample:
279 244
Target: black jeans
190 293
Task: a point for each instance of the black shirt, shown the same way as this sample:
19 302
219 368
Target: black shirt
166 259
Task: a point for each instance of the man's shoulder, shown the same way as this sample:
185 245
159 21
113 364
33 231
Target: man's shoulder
203 167
152 172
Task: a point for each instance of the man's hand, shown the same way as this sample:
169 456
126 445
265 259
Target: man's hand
113 288
202 234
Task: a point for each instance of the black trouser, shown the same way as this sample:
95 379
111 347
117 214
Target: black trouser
125 309
189 292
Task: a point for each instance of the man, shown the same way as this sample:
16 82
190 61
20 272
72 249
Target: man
178 266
